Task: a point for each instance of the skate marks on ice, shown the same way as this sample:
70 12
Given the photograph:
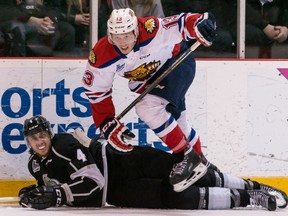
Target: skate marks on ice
269 156
15 210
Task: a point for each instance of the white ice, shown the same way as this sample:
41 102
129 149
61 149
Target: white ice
15 210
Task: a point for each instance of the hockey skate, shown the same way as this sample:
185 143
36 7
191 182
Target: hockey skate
187 172
262 199
208 164
281 197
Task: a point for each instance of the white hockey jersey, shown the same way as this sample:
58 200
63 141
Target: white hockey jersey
158 40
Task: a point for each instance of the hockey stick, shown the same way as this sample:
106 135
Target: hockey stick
9 199
159 79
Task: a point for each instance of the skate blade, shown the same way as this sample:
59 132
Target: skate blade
199 171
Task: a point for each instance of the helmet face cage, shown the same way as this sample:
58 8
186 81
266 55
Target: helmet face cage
35 125
122 21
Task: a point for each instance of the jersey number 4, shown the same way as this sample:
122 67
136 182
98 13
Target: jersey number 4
81 156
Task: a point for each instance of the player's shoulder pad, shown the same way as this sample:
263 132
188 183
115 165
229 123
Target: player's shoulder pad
64 143
103 54
148 28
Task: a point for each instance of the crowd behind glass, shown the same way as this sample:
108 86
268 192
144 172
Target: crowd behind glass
60 28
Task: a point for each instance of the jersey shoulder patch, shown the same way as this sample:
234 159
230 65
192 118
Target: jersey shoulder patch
148 28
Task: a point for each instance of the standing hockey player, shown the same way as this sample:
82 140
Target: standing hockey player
140 49
68 173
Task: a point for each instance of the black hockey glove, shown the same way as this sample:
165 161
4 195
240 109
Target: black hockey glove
24 191
115 133
43 197
205 29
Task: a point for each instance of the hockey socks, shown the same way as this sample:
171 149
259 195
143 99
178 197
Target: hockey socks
175 140
197 147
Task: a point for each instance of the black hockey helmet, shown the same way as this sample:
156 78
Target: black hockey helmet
35 125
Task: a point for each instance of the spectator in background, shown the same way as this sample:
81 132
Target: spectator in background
77 13
266 21
11 43
220 9
103 15
142 8
3 43
265 24
40 25
266 15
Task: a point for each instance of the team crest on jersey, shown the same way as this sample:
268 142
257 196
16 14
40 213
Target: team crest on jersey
92 57
50 181
150 25
143 72
119 67
35 166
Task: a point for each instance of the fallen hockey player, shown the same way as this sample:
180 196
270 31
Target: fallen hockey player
92 175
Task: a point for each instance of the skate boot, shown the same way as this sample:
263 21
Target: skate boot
208 164
188 171
281 197
263 199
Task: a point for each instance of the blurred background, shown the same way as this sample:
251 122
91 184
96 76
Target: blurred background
69 28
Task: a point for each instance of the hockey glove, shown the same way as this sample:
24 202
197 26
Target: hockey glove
23 192
115 133
43 197
205 29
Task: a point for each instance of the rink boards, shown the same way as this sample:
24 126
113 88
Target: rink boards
239 109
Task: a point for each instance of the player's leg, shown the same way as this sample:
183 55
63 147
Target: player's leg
141 163
217 179
188 167
152 110
137 193
214 198
193 139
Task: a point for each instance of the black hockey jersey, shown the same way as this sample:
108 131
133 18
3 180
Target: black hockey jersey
71 165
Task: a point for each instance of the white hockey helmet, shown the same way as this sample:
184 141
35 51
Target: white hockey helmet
122 21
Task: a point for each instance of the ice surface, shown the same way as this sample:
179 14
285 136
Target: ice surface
15 210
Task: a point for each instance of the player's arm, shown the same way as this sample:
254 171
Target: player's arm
37 176
97 84
98 88
86 178
201 27
188 26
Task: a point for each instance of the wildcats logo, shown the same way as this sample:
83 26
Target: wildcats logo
150 25
143 72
